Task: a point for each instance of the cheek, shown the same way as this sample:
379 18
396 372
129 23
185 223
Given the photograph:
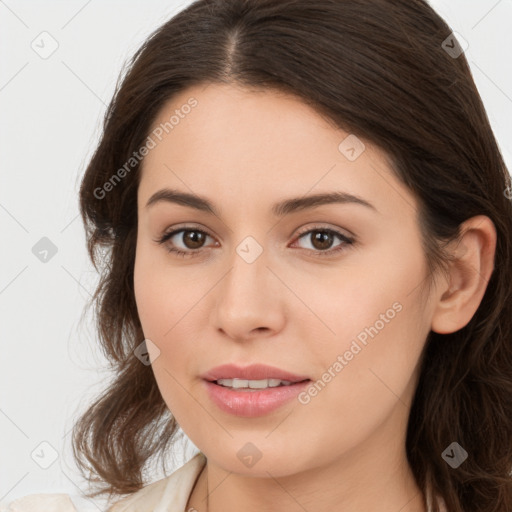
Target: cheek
148 290
379 328
165 304
162 307
159 294
350 300
354 396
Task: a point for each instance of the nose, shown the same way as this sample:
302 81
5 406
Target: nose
248 300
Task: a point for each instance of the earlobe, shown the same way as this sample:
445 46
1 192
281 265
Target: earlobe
469 275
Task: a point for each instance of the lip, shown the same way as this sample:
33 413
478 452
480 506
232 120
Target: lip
251 403
251 372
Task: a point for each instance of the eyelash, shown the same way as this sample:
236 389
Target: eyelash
192 253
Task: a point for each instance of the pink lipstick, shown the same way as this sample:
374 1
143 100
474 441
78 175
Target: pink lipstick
253 390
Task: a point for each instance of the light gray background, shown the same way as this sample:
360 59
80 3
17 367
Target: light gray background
51 110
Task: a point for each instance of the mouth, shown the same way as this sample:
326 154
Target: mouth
252 391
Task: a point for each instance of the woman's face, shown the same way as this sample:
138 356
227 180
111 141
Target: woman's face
326 290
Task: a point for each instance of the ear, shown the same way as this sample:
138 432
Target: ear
458 300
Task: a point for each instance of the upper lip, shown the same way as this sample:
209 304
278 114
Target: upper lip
251 372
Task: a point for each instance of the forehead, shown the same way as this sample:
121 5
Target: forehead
235 140
231 116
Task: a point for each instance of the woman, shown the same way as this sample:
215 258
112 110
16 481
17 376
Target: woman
308 235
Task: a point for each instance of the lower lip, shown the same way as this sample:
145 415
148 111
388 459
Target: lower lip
253 403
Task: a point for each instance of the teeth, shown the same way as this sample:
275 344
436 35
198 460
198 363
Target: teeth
252 384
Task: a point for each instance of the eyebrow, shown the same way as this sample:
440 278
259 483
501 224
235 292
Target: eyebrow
279 209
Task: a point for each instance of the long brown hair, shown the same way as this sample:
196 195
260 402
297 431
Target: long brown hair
382 70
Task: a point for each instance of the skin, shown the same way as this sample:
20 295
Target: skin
292 308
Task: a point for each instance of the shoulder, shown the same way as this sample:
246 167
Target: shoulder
40 503
171 490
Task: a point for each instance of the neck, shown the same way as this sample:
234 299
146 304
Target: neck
380 485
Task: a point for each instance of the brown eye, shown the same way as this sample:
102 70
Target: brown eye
188 241
193 239
321 241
